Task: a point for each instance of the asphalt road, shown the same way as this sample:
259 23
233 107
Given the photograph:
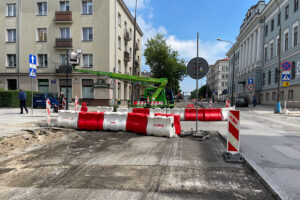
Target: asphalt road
118 165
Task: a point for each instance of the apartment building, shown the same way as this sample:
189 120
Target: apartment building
255 52
103 30
217 79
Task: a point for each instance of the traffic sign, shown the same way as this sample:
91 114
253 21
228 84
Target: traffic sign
32 66
202 68
32 59
286 66
286 83
32 72
250 87
286 77
250 81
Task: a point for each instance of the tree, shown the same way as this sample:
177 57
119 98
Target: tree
201 92
164 62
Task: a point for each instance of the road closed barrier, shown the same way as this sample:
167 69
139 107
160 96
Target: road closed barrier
67 119
141 110
161 126
190 114
212 114
177 124
90 121
177 111
104 109
114 121
137 123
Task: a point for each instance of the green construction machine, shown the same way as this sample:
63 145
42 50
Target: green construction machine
153 93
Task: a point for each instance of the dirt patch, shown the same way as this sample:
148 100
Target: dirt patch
31 137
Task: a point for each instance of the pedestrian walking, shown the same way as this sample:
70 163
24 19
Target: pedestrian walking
254 101
22 97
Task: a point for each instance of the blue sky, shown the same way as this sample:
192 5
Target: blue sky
180 20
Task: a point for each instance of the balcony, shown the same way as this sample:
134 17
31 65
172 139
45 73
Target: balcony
127 57
63 17
127 35
63 69
63 43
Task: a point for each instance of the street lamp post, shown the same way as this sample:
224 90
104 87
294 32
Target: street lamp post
233 69
278 106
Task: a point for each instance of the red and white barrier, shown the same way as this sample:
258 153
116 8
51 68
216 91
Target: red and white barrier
114 121
137 123
227 103
67 119
124 110
48 107
76 106
210 104
161 126
104 109
64 103
176 118
233 134
90 121
177 111
157 110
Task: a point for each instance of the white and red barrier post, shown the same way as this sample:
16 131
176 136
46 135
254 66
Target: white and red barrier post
76 104
48 107
64 103
227 103
210 104
233 138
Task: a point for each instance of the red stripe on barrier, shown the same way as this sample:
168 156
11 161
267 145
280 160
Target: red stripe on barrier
90 121
213 114
190 114
176 121
230 147
137 122
141 110
233 131
236 114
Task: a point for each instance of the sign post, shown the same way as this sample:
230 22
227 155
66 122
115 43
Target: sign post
32 75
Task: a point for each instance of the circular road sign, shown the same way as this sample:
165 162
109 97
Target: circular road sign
250 87
286 66
202 68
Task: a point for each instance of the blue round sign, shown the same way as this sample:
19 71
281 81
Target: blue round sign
286 66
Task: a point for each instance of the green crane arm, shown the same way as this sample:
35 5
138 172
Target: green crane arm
162 81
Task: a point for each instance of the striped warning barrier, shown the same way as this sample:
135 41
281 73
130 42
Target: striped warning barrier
76 106
90 121
190 114
161 126
114 121
210 104
64 102
104 109
67 119
177 124
48 107
137 123
124 110
177 111
233 134
227 103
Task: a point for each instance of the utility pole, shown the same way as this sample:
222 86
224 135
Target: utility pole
278 106
67 80
133 53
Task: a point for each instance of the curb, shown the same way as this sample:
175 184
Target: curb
277 192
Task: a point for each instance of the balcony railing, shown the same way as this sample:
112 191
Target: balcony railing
63 43
127 35
63 17
126 56
63 69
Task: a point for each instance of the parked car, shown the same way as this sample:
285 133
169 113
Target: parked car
39 100
241 102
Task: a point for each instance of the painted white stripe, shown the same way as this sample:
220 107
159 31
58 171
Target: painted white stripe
233 141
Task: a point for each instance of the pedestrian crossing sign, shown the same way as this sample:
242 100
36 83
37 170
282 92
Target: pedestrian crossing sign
286 83
286 77
32 72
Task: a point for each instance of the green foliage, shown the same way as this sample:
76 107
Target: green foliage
201 92
10 98
164 62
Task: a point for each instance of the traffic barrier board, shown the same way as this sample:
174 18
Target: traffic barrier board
233 134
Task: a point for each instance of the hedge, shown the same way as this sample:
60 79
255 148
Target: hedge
10 98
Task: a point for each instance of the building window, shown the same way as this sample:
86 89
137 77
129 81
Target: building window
276 75
295 36
11 60
286 41
42 8
43 85
11 10
64 5
282 95
264 79
287 12
266 53
271 50
269 77
87 60
272 25
42 60
266 30
273 95
296 5
87 88
63 59
11 35
291 94
119 20
267 96
65 33
12 84
87 34
42 35
293 75
87 7
119 66
119 43
223 76
278 19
